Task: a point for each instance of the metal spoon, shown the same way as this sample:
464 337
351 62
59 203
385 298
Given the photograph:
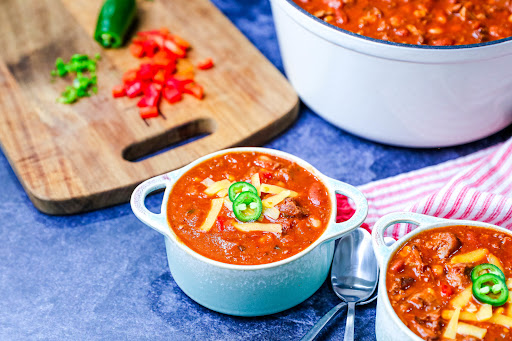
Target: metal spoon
347 266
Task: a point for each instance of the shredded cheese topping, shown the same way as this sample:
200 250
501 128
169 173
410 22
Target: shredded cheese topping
462 298
484 313
255 180
222 193
275 199
470 257
468 329
271 212
250 227
273 189
208 182
217 186
212 214
451 329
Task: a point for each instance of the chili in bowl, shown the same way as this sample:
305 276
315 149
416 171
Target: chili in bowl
400 91
248 231
423 22
447 280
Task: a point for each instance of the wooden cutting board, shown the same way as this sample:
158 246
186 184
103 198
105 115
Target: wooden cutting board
74 158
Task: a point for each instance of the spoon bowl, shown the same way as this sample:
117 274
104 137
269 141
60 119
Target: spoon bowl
354 274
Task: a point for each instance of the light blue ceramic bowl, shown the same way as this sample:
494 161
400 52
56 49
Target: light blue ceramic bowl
249 290
388 326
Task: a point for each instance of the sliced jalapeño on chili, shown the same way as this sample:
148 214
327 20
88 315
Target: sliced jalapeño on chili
490 289
482 269
239 187
247 206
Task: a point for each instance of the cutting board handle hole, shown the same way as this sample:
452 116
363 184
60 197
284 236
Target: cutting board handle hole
173 138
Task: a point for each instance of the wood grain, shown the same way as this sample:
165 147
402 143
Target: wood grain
74 158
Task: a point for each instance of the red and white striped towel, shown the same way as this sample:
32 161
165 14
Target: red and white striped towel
474 187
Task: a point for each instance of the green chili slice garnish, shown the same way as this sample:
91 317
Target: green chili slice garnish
482 269
239 187
247 206
490 289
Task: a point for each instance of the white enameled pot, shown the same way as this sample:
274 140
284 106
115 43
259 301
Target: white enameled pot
249 290
388 325
399 94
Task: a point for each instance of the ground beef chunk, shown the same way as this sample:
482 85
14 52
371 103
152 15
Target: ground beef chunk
458 275
397 291
420 269
445 244
425 300
429 326
425 306
290 209
406 282
287 225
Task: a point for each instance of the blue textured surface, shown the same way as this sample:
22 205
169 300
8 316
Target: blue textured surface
104 275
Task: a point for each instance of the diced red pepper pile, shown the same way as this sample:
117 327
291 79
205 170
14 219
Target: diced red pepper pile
344 211
167 72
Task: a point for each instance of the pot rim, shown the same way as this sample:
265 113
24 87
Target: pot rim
392 50
442 222
172 177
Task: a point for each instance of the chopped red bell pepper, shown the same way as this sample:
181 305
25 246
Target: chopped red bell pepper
148 112
170 69
148 101
174 48
446 290
150 47
133 89
221 221
171 94
160 75
177 83
118 91
146 72
159 40
266 175
180 41
205 64
137 50
162 58
194 89
151 96
129 76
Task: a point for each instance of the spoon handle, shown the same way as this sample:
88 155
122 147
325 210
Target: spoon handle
322 322
349 327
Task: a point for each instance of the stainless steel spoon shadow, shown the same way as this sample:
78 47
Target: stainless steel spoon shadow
353 271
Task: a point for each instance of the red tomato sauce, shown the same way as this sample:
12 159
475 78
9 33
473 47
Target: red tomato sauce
421 22
303 218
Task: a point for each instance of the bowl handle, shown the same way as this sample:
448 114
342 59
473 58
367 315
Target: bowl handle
335 230
380 248
157 221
